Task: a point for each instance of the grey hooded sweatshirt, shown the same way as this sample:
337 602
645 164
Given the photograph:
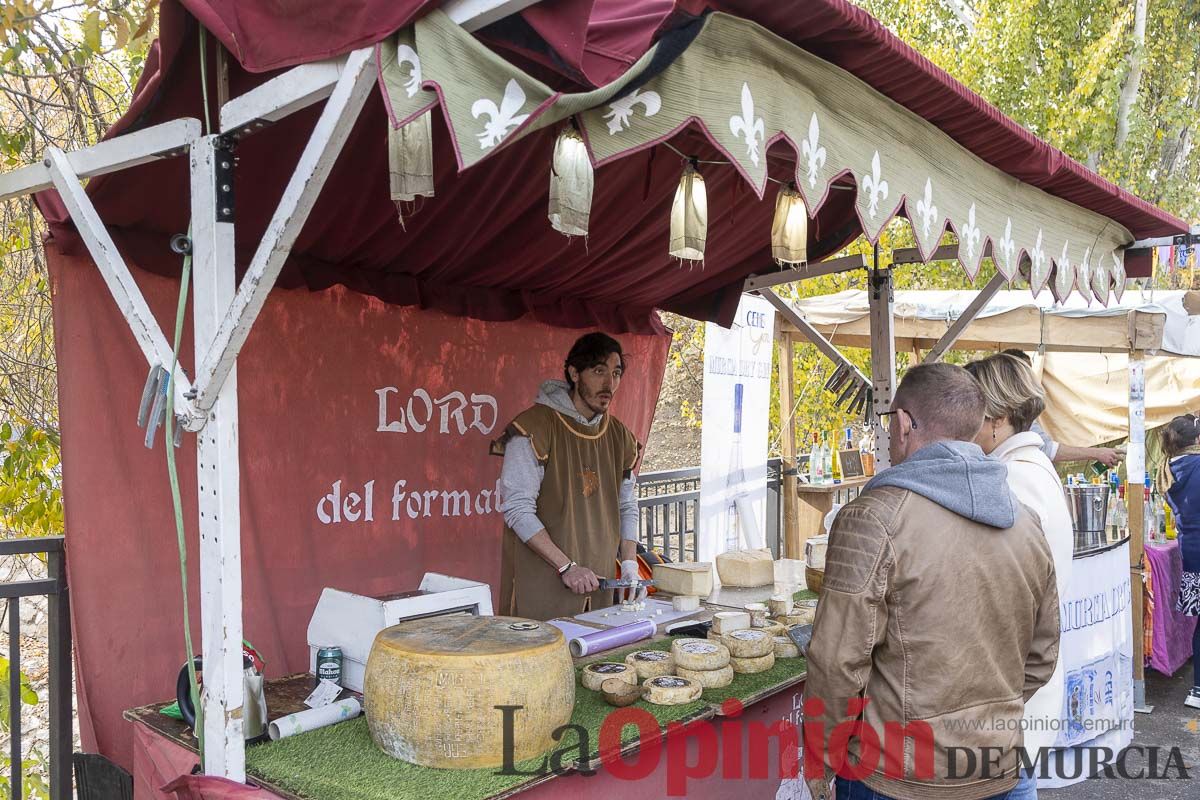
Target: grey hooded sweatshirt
521 476
958 477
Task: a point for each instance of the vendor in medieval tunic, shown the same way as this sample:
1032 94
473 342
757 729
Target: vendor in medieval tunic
567 490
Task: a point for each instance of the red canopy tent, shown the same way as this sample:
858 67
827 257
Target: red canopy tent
384 301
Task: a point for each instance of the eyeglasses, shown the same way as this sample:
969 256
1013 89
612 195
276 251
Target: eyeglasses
885 418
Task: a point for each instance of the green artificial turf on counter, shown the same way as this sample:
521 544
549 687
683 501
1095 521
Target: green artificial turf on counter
341 762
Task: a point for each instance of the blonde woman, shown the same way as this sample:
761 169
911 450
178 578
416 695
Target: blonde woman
1013 400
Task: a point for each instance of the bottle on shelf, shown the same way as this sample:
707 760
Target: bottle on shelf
815 474
1169 523
826 459
1122 513
835 458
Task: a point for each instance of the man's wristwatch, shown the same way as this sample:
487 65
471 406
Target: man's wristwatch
563 569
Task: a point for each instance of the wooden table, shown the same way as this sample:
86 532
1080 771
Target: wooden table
817 500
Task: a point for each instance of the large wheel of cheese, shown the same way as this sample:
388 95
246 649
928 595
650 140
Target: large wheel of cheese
751 643
432 685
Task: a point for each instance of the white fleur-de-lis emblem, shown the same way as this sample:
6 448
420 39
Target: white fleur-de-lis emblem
1118 269
1085 270
813 151
1008 249
875 187
969 236
1066 273
1037 275
926 210
747 125
406 55
501 119
620 111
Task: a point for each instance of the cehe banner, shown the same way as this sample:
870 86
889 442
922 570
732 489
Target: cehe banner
733 439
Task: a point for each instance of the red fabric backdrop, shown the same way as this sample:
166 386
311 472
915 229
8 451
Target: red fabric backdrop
309 413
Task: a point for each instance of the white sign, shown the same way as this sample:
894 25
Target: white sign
733 441
1097 654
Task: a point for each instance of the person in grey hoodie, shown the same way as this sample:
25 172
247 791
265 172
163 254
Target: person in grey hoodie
938 616
567 490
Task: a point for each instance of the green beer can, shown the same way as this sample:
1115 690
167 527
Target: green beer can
329 665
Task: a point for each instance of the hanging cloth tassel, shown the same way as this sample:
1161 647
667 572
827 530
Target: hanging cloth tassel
410 160
789 230
571 183
689 216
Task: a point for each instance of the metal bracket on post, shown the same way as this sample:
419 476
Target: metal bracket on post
223 167
883 355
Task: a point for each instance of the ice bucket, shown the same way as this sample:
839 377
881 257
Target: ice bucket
1089 514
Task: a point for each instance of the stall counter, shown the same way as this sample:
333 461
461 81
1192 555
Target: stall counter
679 759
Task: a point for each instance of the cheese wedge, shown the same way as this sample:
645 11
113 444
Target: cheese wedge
746 568
693 578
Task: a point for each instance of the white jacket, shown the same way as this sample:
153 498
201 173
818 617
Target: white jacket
1033 480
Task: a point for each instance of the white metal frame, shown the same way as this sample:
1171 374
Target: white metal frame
224 311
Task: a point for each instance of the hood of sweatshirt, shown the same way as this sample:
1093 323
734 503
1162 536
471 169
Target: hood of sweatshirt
958 477
557 395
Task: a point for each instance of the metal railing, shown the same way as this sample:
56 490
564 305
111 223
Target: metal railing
58 607
670 506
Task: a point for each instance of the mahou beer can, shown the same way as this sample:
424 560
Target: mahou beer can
329 664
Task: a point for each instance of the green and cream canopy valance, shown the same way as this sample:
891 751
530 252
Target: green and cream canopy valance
747 89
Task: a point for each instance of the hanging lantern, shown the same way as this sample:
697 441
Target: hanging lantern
689 216
571 181
410 160
789 231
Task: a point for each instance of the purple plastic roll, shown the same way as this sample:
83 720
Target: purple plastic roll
612 637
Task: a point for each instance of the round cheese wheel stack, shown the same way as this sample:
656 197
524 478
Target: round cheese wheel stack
651 663
671 690
699 654
749 666
596 674
708 678
749 643
427 681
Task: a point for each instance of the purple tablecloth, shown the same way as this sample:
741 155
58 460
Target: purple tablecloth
1172 642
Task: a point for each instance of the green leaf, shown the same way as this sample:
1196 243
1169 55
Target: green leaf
91 32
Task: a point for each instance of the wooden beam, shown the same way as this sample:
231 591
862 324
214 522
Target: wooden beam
814 270
128 150
313 168
883 356
810 333
791 545
911 255
217 474
113 270
968 316
475 14
1135 471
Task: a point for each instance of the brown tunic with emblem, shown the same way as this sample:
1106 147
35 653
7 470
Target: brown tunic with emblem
578 503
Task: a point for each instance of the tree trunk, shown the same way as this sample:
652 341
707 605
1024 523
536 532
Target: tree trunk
1129 89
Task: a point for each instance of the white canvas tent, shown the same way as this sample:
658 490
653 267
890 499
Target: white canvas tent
1081 352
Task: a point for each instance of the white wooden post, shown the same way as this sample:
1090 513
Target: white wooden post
883 355
330 133
1135 475
217 471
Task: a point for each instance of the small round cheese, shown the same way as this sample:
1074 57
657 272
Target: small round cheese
670 690
785 647
651 663
709 678
774 628
699 654
596 674
749 666
758 614
748 644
